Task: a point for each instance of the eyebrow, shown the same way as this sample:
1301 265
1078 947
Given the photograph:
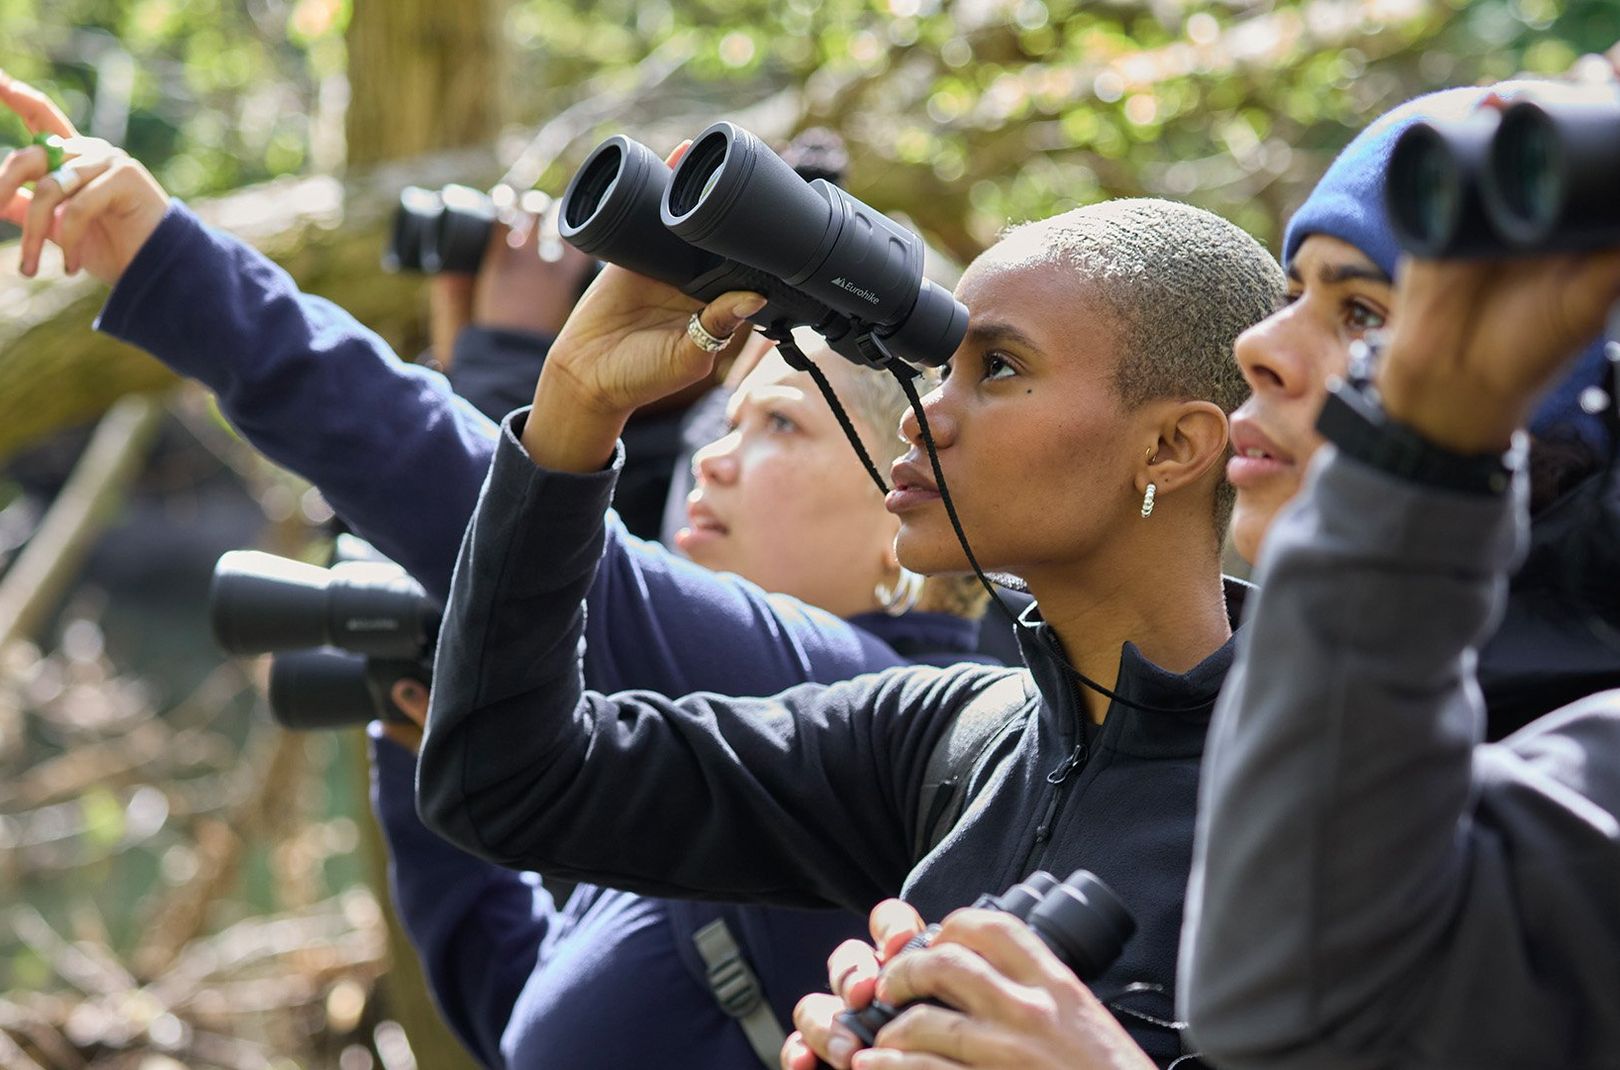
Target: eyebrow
1344 271
998 331
787 397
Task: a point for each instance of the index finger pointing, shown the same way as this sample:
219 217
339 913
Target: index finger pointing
37 111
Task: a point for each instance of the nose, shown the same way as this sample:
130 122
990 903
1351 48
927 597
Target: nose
1282 353
941 420
717 462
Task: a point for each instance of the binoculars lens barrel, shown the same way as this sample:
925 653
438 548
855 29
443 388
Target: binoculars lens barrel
1081 920
314 689
733 216
1553 176
1535 178
610 210
730 194
440 231
325 688
259 603
1084 923
1433 188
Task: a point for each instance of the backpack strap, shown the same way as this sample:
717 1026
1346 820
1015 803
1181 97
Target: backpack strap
737 990
963 758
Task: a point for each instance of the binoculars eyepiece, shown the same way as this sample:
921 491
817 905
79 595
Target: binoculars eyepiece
1533 178
732 215
1082 920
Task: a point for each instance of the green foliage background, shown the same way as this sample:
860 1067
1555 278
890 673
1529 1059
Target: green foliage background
965 114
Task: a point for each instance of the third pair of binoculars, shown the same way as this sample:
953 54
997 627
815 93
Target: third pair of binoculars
1535 177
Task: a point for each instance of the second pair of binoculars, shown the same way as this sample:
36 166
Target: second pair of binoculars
733 215
1081 920
1534 177
446 231
341 636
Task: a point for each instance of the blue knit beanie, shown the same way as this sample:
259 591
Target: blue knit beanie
1348 204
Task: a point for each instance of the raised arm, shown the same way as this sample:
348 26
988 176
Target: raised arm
396 453
393 450
803 799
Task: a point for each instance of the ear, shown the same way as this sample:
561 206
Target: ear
1192 440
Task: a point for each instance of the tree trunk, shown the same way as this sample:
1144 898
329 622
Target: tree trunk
424 75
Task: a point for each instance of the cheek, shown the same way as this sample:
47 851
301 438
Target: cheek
788 489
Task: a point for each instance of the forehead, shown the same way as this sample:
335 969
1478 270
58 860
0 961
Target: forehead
1044 298
1324 258
773 379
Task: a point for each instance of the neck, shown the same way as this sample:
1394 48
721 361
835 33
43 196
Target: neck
1161 593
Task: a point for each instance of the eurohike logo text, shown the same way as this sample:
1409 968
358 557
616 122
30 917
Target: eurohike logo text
844 284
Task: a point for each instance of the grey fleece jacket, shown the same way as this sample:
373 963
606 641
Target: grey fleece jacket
1372 885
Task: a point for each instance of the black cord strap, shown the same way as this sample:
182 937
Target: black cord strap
795 358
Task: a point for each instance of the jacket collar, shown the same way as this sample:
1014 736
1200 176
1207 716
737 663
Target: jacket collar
1145 733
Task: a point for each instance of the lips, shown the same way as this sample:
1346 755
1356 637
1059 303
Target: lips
913 486
700 518
704 529
1258 457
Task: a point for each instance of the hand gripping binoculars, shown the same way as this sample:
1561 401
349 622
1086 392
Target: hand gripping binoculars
1082 920
1536 177
732 215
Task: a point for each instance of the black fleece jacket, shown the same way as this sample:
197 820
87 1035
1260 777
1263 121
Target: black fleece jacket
808 798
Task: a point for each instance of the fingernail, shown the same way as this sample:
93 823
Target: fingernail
744 307
840 1046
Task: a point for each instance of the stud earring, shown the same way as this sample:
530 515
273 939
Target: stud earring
1147 501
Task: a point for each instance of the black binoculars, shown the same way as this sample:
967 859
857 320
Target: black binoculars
1532 178
440 231
342 636
732 215
1081 920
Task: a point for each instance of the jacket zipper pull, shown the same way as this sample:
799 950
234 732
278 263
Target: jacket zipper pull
1068 765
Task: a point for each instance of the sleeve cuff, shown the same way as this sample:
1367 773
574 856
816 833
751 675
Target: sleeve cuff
1428 528
178 228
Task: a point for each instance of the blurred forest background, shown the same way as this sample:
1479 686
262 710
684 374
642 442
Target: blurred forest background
183 884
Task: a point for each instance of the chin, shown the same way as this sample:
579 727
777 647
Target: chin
1249 527
930 554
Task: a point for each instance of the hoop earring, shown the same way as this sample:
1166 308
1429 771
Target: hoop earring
1147 501
902 597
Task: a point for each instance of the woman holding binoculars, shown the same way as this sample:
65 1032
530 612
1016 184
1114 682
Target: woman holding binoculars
522 979
1102 335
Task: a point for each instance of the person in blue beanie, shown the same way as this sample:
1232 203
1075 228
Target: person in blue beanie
1374 885
400 457
1341 255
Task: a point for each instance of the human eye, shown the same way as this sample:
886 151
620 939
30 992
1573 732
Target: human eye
996 366
1361 317
779 423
